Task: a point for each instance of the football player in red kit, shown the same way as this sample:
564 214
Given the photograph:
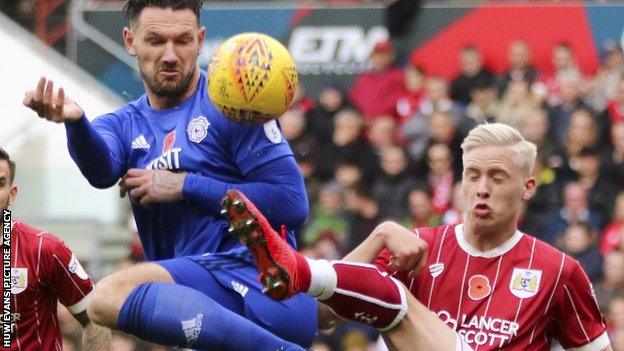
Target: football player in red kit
494 286
43 271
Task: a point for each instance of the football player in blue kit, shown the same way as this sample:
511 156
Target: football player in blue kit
177 157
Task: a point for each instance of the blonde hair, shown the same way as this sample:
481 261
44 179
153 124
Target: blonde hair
502 135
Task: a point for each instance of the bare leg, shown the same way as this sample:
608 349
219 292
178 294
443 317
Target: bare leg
112 291
421 329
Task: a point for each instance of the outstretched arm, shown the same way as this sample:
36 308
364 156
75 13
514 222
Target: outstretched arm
91 152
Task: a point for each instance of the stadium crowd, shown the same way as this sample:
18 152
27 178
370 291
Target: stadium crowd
387 147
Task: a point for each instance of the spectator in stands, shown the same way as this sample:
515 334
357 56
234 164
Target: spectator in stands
362 213
615 106
383 132
564 64
570 101
413 92
440 128
348 141
590 174
416 129
471 70
393 183
579 241
612 283
375 92
614 162
331 99
440 176
605 84
422 213
582 132
327 215
305 147
483 107
612 237
455 214
535 128
348 173
575 210
518 102
520 66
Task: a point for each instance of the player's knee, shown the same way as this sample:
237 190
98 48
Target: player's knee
101 309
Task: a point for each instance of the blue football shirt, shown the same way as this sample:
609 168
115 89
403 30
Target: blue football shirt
195 138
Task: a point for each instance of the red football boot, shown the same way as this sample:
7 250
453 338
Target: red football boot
275 258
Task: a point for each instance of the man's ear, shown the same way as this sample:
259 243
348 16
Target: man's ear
128 38
201 37
530 186
12 193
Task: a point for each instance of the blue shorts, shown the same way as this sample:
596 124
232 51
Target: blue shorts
229 278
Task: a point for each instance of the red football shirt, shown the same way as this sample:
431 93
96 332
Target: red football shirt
43 271
518 296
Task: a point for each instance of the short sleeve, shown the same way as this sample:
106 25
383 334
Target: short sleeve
577 312
66 276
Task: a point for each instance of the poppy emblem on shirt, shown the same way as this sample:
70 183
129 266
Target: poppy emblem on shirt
525 282
19 280
197 129
169 141
479 287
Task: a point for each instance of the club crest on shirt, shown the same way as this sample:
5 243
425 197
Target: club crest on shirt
197 129
525 283
19 280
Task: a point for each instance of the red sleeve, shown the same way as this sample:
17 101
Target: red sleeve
583 326
65 275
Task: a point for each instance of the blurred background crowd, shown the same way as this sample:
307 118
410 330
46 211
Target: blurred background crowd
387 147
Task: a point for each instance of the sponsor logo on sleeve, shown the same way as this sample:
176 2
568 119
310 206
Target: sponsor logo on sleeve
272 132
76 268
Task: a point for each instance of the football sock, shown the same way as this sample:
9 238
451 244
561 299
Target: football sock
176 315
363 294
322 278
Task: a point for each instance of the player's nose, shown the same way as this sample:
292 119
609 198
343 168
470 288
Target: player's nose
170 56
483 190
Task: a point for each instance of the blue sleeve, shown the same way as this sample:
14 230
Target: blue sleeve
97 154
276 188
